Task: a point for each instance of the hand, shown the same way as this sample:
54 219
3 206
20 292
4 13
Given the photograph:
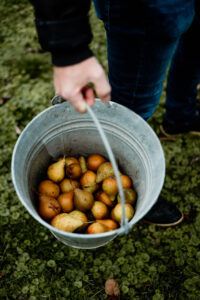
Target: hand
71 83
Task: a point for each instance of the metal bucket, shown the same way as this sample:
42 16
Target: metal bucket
61 130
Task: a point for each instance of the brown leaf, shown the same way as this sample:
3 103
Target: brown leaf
112 298
1 101
111 287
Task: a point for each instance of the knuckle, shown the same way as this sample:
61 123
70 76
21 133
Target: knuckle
67 93
99 73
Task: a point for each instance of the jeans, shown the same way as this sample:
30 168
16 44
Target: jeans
144 37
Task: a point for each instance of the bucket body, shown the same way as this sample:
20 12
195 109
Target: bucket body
60 130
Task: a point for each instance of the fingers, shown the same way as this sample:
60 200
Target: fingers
71 83
102 87
78 103
88 95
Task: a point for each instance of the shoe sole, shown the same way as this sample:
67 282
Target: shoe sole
177 134
166 225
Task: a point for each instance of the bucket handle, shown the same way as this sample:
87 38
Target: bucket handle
125 227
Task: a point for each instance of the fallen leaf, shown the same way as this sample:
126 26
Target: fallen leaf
6 97
111 287
112 298
195 159
18 130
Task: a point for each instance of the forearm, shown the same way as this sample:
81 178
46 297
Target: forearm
63 29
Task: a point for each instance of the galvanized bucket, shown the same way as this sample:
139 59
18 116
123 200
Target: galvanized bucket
61 130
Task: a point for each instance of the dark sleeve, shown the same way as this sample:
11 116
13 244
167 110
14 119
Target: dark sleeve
63 29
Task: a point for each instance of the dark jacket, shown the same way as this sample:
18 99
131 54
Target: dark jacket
63 29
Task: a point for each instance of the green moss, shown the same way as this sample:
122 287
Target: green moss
148 263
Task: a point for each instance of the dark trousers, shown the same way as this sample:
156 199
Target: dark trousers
143 37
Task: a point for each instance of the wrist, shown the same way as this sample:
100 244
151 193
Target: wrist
62 58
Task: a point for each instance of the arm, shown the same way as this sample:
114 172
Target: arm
63 29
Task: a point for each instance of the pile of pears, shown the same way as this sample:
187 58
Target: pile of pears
81 195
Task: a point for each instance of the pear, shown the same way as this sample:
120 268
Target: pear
88 181
49 188
88 178
66 201
82 162
126 181
129 195
103 197
71 160
68 185
56 171
66 222
83 200
49 207
111 224
99 210
109 186
104 171
116 213
94 161
74 171
97 228
79 215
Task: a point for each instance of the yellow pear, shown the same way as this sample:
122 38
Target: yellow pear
116 212
126 181
66 222
129 195
82 162
70 160
111 224
88 181
99 210
56 171
83 200
49 188
104 171
68 185
97 228
79 215
109 186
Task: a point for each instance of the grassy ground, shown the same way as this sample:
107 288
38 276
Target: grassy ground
149 263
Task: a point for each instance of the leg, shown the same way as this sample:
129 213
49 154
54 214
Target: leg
184 75
141 39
